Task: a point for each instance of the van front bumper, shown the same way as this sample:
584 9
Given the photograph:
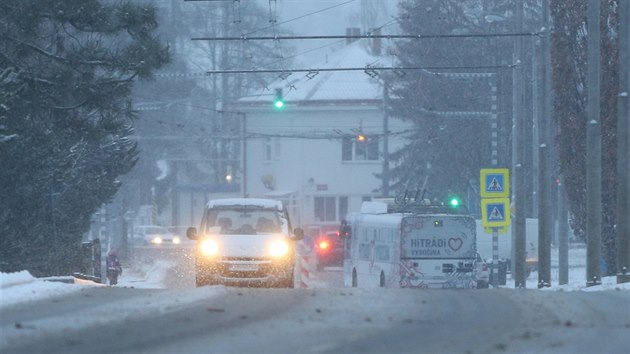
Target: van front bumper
247 271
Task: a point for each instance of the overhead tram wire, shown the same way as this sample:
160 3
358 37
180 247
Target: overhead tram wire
397 18
368 36
300 17
283 22
287 21
367 69
371 36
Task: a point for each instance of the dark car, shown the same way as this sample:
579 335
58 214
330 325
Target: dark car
329 249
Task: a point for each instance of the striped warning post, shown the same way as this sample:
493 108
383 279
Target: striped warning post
306 272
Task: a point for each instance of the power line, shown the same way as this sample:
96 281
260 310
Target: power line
244 37
302 16
369 70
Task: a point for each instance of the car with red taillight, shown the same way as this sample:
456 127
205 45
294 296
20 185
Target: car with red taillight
329 249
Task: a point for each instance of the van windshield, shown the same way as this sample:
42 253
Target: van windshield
242 221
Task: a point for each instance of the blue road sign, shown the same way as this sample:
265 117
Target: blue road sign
495 183
495 212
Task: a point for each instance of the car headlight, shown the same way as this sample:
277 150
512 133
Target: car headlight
279 248
157 240
209 247
176 240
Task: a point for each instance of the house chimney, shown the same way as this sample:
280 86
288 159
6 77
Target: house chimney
352 31
376 42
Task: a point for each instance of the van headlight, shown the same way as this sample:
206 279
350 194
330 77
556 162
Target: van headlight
209 247
176 240
279 248
157 240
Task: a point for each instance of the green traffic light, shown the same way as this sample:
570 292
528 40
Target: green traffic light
454 202
278 101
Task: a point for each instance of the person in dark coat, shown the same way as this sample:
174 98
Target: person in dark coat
114 269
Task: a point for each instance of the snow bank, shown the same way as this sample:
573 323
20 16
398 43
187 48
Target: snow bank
608 283
17 278
23 287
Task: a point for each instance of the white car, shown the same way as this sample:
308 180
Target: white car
154 235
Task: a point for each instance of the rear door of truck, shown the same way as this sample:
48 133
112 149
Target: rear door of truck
438 251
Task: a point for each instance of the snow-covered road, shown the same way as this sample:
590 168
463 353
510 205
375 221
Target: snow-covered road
232 320
157 309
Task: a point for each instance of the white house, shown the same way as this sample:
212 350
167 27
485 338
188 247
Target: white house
308 154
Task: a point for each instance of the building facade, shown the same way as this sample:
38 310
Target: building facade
324 152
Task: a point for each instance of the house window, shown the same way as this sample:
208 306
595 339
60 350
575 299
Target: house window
353 150
331 208
276 147
343 208
267 149
271 149
325 208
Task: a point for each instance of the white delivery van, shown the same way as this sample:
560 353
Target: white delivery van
484 244
427 247
245 241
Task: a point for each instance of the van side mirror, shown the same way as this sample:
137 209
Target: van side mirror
191 233
298 234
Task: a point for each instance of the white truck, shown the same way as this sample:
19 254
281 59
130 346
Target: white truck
484 244
427 248
246 242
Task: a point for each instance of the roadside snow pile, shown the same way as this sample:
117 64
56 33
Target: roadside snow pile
17 278
21 287
608 283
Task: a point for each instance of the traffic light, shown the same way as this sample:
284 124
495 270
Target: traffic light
455 202
278 100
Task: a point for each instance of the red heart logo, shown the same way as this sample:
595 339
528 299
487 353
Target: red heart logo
455 243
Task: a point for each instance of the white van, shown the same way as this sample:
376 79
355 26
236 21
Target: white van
484 244
245 241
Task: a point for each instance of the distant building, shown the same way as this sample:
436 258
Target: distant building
321 152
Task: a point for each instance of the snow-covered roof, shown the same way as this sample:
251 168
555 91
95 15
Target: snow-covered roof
329 85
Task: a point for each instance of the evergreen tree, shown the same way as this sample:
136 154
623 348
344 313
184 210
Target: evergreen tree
70 121
569 61
449 145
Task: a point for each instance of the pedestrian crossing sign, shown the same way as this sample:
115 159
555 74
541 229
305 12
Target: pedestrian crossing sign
495 212
495 183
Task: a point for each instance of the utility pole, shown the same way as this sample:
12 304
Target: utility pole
518 142
244 153
544 175
593 150
385 172
623 147
563 236
536 122
544 220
